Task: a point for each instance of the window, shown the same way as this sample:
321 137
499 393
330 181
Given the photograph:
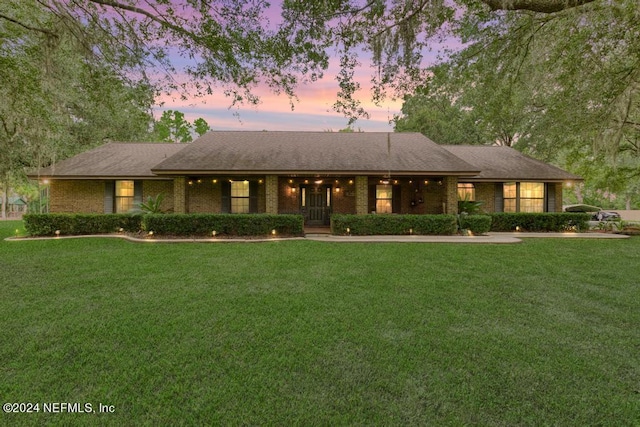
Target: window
510 193
467 192
531 197
384 198
124 196
523 196
239 196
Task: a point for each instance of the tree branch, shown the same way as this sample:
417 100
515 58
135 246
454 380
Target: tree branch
28 27
542 6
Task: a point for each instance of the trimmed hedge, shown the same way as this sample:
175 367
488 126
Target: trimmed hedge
389 224
478 224
548 221
75 224
223 224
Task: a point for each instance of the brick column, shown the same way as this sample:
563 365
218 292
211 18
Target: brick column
271 194
362 195
450 184
179 194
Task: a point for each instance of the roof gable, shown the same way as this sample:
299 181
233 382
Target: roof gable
499 163
314 152
115 159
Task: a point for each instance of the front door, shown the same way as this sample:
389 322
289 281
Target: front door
316 204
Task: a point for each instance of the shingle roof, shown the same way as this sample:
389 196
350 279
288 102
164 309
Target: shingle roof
113 160
507 164
314 152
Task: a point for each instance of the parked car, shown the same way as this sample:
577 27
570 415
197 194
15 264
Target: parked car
597 214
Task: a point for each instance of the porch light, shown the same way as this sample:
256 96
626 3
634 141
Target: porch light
350 182
306 181
45 181
338 189
317 181
290 181
260 181
199 181
293 189
395 181
190 182
384 181
426 182
214 181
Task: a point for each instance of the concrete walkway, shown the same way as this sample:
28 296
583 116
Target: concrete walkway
492 238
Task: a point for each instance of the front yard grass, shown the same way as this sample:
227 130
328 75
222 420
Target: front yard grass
308 333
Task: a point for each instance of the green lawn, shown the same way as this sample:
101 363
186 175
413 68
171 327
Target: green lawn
545 332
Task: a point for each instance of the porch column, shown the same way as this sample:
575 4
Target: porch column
450 184
362 195
271 194
179 194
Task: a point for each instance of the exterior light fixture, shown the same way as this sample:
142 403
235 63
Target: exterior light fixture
395 181
199 181
293 190
350 182
518 228
214 233
45 181
384 181
214 181
306 181
411 231
150 234
290 181
348 231
338 189
190 182
57 233
120 230
318 181
273 232
426 182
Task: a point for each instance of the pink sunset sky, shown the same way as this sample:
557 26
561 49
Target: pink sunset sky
312 110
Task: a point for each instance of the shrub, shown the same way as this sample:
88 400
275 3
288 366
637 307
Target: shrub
548 221
223 224
385 224
75 224
478 224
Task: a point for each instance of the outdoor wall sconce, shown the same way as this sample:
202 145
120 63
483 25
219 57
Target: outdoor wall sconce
260 181
214 181
190 182
318 181
337 189
350 182
293 190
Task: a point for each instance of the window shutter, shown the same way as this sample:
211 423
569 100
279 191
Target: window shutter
396 199
372 198
550 194
253 197
226 197
137 194
109 190
499 198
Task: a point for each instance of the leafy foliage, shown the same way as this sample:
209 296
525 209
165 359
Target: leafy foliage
362 225
477 224
549 221
79 224
223 224
153 204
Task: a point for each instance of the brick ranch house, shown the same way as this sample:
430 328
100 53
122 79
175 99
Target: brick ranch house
312 173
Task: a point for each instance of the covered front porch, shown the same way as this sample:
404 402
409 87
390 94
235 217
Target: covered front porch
316 197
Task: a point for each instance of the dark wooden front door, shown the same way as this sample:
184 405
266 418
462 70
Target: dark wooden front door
316 204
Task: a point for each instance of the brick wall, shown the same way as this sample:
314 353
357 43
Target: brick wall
76 196
151 188
486 193
204 196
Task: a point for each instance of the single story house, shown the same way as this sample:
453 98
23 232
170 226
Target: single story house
312 173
